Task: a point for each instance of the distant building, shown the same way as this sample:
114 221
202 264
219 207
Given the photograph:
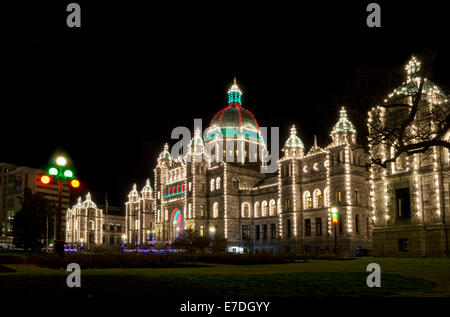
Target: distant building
94 226
13 181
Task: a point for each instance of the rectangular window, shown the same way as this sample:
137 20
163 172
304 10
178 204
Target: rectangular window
111 227
111 239
357 224
202 211
307 227
339 196
318 226
91 238
203 186
403 203
258 232
288 228
403 245
288 204
273 231
245 232
356 197
264 232
235 185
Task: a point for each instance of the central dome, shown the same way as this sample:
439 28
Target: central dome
234 120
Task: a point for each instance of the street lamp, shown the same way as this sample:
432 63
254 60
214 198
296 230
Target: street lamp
334 219
123 238
81 242
62 176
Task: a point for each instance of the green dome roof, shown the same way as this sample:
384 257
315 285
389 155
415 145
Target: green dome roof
234 120
165 153
134 192
88 203
343 124
147 188
411 86
294 140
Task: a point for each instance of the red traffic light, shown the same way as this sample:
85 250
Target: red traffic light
335 220
75 183
45 179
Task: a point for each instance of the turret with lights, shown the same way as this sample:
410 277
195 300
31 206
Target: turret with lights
294 148
344 131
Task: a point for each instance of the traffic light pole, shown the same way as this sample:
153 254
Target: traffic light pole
59 242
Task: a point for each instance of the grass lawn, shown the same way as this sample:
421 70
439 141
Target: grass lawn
315 278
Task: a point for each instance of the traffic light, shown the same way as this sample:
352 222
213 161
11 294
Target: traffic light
334 215
45 179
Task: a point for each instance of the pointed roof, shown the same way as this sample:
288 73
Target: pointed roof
165 153
134 192
413 79
78 204
197 140
88 203
147 188
294 140
343 124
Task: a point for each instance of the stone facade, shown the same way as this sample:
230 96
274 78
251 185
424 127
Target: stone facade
253 210
410 197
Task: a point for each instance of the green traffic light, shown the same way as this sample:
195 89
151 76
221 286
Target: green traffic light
53 171
68 173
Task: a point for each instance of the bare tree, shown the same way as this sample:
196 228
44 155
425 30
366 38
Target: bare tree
414 119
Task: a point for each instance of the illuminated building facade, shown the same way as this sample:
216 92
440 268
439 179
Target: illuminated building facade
89 226
286 210
410 197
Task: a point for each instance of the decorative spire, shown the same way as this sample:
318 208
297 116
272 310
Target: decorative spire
413 67
294 140
134 192
165 153
88 203
234 93
315 142
147 188
343 124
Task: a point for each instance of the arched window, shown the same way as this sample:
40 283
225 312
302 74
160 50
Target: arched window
173 190
182 188
216 210
178 189
213 184
218 180
272 207
318 199
91 225
257 209
307 200
264 208
170 190
326 197
245 210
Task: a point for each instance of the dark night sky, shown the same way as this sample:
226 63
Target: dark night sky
111 93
